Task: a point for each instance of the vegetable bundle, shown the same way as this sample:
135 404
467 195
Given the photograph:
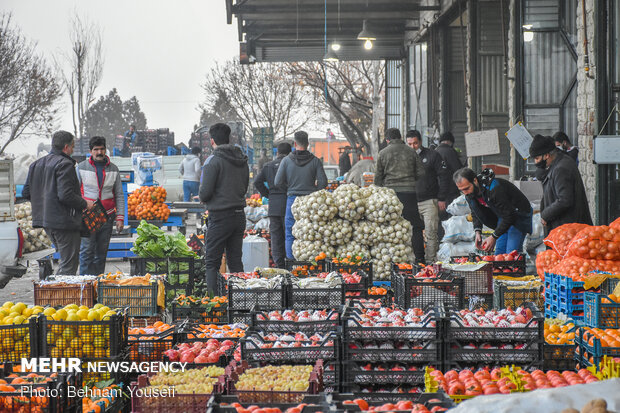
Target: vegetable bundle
152 242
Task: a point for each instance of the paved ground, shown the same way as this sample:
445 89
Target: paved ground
21 289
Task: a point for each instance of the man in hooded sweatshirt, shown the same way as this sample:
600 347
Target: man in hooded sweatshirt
301 173
225 178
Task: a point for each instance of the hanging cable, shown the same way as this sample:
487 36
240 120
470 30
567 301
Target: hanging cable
463 51
504 45
586 58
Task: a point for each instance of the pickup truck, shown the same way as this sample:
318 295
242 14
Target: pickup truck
12 262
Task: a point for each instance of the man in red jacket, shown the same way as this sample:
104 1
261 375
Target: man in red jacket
100 180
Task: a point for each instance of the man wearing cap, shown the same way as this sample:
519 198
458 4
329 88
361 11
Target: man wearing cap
564 195
265 184
301 173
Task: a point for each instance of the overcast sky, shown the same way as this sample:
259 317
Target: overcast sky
156 50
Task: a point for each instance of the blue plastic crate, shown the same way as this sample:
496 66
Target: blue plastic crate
599 314
553 312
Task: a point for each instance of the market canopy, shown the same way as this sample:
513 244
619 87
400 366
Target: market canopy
294 30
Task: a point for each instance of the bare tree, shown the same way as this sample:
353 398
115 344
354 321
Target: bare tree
350 90
28 87
82 68
261 95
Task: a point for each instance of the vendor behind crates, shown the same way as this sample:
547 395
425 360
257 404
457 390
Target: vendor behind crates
225 178
100 180
499 205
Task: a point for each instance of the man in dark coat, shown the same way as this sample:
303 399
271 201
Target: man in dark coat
564 195
277 203
225 178
451 157
344 163
563 143
53 188
498 204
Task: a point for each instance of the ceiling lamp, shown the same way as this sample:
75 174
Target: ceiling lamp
330 56
368 44
366 34
335 46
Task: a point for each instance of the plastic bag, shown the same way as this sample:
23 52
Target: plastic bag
459 207
596 242
458 229
447 250
262 224
546 260
534 239
560 237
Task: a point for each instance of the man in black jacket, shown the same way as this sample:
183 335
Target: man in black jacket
499 205
53 189
453 162
564 195
277 203
431 191
301 173
225 178
563 143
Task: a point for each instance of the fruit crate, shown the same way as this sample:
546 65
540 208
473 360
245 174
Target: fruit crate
21 401
354 329
261 322
140 300
223 404
478 277
235 370
254 349
377 352
403 268
83 339
455 328
98 374
315 298
257 298
184 275
412 292
148 345
62 294
222 361
368 374
559 357
552 311
199 312
365 267
601 311
592 353
186 403
459 355
510 268
359 289
609 285
516 293
303 269
344 401
479 301
20 340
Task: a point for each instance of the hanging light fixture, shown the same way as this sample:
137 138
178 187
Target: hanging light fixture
335 45
366 34
330 54
368 44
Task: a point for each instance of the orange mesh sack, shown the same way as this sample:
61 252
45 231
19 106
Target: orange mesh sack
545 260
597 242
577 268
615 224
560 237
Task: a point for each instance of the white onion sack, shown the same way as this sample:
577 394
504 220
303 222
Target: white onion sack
458 229
459 207
385 253
383 205
307 250
350 201
353 248
318 206
35 239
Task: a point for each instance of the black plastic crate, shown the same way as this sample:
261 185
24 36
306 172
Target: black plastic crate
151 347
455 329
303 269
253 350
259 298
477 282
223 404
97 375
365 267
261 322
20 340
354 330
410 292
430 400
412 352
458 355
479 301
140 300
184 275
315 298
360 289
199 312
559 357
20 400
516 293
240 316
509 268
87 340
371 374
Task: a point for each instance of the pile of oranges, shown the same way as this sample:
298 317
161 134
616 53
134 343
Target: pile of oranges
216 331
611 298
147 202
559 334
139 348
608 337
